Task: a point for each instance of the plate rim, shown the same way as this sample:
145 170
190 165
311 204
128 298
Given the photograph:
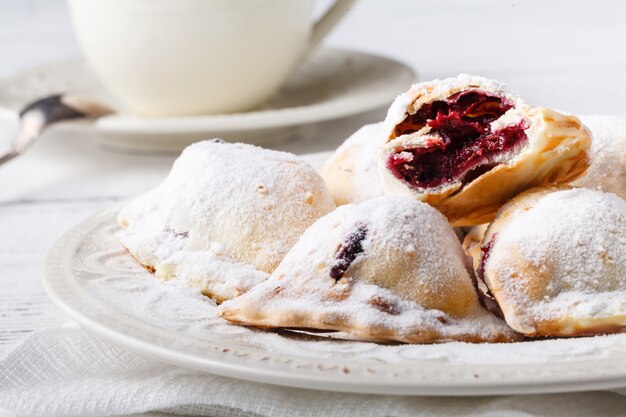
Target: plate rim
66 291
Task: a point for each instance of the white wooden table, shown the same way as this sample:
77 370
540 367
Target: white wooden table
564 54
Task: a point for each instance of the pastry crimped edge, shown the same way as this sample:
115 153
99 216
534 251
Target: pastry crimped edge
378 334
556 152
372 333
198 283
562 327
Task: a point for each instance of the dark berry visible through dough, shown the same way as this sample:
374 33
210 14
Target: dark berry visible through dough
348 250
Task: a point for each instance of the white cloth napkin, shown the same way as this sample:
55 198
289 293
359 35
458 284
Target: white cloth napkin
69 372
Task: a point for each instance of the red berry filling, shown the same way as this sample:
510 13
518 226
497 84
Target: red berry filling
466 146
347 251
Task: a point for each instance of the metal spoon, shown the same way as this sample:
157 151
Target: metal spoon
40 114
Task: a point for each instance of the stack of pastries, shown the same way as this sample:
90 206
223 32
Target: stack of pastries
368 248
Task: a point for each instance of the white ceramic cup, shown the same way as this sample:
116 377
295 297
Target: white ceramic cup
188 57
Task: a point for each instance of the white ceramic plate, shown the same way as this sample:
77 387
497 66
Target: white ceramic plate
91 277
331 84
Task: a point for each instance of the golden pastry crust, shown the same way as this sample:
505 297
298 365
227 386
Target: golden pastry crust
333 321
351 173
388 269
555 261
472 241
555 151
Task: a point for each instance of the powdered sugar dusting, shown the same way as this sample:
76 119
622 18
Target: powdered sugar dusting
409 276
607 171
208 221
577 239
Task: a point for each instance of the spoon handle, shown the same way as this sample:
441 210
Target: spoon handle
38 115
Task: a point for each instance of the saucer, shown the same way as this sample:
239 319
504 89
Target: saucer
332 84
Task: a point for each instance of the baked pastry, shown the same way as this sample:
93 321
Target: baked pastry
388 269
352 172
472 242
225 216
465 145
608 155
554 259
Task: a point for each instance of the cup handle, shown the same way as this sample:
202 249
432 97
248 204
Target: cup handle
327 22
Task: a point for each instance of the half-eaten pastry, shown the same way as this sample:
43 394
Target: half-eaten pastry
352 171
465 145
225 216
554 259
608 155
388 269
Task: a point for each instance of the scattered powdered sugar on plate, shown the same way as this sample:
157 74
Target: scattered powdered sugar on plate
117 281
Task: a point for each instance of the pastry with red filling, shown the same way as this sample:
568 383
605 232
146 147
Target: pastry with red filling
465 145
554 261
388 269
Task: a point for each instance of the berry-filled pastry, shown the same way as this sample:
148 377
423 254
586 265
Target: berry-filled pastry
388 269
554 260
225 216
352 172
608 155
465 145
